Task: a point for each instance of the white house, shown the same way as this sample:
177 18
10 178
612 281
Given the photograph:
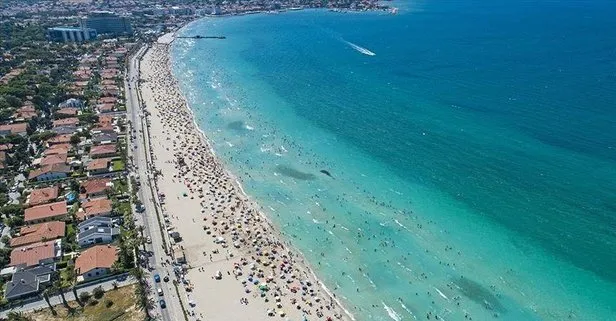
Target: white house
96 261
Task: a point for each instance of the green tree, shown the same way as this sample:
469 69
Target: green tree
98 292
85 297
15 221
12 210
75 139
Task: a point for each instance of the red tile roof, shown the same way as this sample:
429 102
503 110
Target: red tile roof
107 100
43 195
100 163
66 122
95 186
99 256
60 139
38 233
105 107
57 149
15 128
95 207
54 159
32 254
102 149
45 211
105 120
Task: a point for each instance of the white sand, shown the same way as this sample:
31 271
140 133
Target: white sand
215 201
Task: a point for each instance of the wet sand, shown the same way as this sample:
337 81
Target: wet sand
260 276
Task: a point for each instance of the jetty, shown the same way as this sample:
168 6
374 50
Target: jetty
203 37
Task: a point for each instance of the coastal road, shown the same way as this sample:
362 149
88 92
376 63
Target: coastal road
55 300
141 160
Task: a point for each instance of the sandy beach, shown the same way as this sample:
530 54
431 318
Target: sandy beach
239 267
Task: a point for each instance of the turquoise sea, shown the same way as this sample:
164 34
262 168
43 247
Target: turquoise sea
470 146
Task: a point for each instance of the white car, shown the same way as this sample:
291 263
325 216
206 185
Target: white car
160 292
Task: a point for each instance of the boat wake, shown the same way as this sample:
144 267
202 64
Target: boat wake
360 49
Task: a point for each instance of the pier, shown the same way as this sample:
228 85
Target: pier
203 37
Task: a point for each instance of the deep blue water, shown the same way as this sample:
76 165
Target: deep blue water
477 147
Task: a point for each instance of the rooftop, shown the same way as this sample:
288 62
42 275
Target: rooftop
95 207
68 28
38 233
54 159
100 163
32 254
103 149
54 168
100 256
95 186
43 195
45 211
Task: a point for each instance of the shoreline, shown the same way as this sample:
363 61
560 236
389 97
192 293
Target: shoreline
263 215
295 258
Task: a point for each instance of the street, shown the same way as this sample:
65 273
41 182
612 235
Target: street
158 262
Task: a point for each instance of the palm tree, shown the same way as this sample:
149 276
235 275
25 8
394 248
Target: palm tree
71 275
46 297
142 293
60 288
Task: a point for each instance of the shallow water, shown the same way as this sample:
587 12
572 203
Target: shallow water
471 156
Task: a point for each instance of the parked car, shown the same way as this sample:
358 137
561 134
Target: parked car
160 292
166 279
149 240
157 278
162 304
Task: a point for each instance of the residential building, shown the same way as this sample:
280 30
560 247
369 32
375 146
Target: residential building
57 149
50 173
43 195
72 121
14 129
107 22
36 254
67 111
95 222
72 102
95 187
53 159
71 34
46 213
29 282
98 166
65 130
100 151
39 233
96 261
97 235
102 128
24 114
105 138
60 139
95 207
